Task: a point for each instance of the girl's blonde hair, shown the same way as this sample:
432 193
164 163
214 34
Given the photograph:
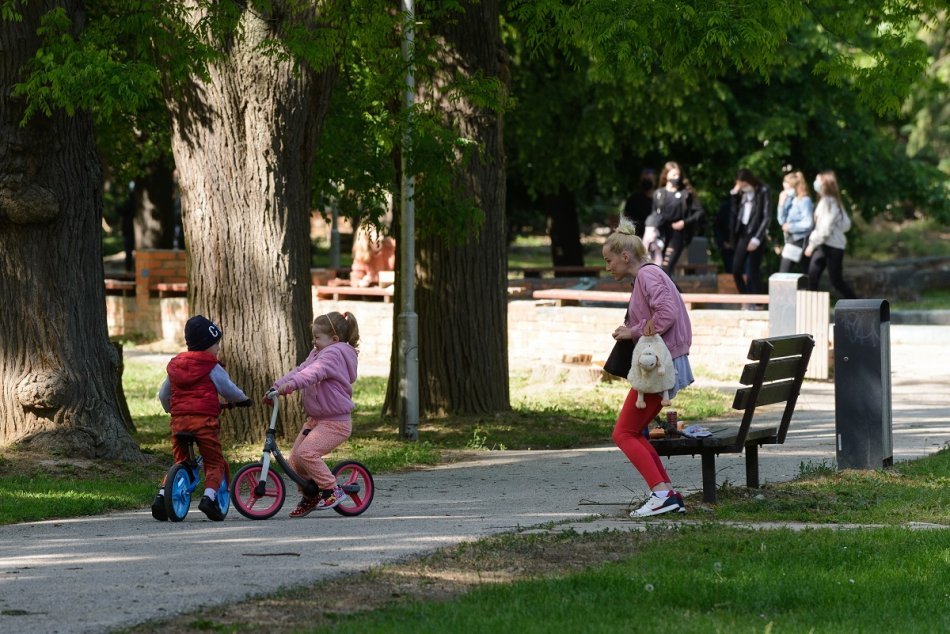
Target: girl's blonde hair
624 238
797 181
344 327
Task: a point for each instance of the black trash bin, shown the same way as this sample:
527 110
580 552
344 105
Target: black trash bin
863 384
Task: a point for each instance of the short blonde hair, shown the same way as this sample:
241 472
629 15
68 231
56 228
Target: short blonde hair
624 238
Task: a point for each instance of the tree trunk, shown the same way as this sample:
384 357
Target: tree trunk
58 369
155 216
244 143
566 248
461 289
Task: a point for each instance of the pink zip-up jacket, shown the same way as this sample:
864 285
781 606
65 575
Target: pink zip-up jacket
325 380
654 295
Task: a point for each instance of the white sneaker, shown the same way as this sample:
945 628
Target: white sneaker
656 505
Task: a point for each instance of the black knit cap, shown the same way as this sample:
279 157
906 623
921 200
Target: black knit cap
201 333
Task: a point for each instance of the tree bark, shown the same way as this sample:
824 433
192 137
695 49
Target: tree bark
243 143
565 231
155 216
461 289
59 371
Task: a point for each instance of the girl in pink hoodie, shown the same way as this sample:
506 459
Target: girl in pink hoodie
325 380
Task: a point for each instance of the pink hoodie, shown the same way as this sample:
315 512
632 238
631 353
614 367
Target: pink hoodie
325 379
654 295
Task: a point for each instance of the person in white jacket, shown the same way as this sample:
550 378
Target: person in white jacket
827 241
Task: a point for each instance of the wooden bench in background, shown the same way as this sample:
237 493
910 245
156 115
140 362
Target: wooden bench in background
774 376
120 287
558 271
692 300
337 292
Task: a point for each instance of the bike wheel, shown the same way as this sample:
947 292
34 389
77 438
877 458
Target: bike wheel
177 492
254 499
356 480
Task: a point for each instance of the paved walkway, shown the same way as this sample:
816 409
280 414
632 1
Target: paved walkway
100 573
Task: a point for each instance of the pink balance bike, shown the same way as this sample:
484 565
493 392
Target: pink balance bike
258 491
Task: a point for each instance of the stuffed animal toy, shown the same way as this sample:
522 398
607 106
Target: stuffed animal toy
651 371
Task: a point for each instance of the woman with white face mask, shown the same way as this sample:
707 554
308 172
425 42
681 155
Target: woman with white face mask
796 217
749 224
676 217
827 242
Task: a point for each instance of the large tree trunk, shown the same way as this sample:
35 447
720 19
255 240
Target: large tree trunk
243 143
461 289
155 216
566 248
59 371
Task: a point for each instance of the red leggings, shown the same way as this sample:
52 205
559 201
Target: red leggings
628 435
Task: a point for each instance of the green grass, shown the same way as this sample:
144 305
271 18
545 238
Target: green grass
35 495
929 300
713 579
886 241
918 490
531 251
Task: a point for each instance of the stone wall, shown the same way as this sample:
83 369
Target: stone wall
542 334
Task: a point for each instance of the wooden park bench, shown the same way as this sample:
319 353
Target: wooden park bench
337 292
774 376
558 271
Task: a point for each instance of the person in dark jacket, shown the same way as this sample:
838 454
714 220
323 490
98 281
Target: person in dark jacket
190 392
677 214
749 220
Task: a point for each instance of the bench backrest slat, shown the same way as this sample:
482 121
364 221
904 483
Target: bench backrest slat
778 369
775 377
769 393
786 346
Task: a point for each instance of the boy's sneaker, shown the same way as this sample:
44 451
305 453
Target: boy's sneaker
158 508
210 508
656 505
305 506
330 499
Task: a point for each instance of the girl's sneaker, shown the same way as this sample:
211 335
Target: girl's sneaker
305 506
329 499
656 505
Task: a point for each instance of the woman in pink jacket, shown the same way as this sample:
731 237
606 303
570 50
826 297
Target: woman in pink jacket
656 307
325 380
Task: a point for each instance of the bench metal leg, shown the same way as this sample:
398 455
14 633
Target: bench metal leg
709 477
752 466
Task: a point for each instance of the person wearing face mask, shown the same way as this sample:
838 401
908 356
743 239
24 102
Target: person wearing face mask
749 215
796 217
677 214
827 241
639 205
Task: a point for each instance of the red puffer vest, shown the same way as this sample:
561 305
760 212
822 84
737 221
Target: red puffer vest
192 390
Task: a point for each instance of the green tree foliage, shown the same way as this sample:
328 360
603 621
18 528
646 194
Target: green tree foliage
599 91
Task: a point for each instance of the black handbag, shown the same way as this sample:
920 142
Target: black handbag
621 357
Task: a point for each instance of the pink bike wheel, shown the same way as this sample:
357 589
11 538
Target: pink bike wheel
356 480
254 500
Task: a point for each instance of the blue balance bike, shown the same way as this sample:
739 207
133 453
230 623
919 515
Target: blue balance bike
182 480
